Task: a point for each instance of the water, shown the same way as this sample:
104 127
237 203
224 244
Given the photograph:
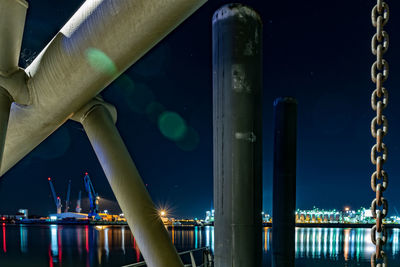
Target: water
53 245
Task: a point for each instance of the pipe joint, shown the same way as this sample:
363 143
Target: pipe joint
16 87
4 94
96 102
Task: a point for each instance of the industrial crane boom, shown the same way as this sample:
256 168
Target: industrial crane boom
78 203
57 199
93 198
68 194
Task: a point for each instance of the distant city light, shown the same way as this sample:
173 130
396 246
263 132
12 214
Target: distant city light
163 213
360 216
210 216
368 213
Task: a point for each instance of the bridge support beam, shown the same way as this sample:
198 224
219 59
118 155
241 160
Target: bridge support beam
98 120
284 182
5 105
100 41
12 22
237 86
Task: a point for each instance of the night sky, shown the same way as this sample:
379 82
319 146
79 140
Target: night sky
316 51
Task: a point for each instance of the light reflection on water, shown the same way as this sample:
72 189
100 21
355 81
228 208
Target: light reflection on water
4 238
24 238
57 245
348 244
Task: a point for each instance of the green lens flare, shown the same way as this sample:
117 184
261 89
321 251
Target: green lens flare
172 125
139 98
124 83
154 110
189 141
99 61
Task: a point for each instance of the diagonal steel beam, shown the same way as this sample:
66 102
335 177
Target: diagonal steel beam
98 119
101 40
12 22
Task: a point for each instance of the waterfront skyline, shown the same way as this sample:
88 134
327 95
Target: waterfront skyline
309 53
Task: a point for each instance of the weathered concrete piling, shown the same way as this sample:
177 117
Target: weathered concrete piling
237 86
284 182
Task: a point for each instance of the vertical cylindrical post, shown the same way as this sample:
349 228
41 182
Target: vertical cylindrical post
127 185
284 182
237 86
12 22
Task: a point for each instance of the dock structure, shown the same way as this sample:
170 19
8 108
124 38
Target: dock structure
237 123
284 182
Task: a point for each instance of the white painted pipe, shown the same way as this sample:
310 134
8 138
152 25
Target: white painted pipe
127 185
5 104
101 40
12 22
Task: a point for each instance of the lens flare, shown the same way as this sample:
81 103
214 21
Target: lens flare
154 110
100 62
172 125
189 141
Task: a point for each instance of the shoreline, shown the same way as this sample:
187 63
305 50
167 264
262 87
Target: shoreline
300 225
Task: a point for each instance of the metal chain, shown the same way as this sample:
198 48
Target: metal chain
379 129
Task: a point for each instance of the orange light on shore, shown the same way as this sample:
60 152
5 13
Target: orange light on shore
49 178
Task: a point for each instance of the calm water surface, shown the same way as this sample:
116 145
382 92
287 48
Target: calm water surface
77 246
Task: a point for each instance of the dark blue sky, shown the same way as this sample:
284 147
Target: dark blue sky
318 52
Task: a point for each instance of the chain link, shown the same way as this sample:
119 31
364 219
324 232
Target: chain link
384 100
379 129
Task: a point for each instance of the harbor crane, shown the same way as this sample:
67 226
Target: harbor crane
93 198
68 194
57 199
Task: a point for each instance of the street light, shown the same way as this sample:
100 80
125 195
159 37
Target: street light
163 213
